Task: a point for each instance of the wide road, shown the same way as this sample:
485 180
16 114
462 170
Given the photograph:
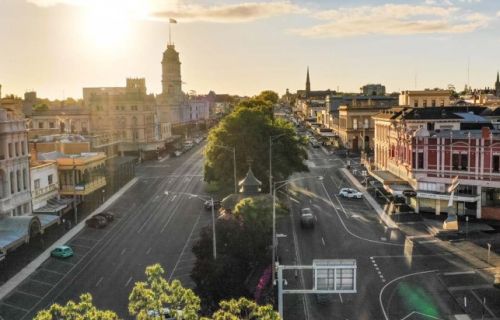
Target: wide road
396 278
150 227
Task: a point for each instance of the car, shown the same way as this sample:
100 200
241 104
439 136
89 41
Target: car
165 314
208 204
350 193
178 153
96 222
62 252
306 218
109 216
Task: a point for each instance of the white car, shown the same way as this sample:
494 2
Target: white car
350 193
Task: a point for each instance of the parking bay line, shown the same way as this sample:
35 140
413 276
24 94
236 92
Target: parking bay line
14 306
128 282
99 281
28 294
52 271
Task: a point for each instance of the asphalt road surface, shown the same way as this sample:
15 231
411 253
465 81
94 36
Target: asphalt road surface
149 227
397 278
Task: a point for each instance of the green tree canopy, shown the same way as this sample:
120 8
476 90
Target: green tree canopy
248 130
83 309
268 96
244 309
149 298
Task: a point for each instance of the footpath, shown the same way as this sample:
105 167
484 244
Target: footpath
478 256
32 266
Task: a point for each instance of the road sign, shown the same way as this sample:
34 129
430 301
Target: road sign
334 275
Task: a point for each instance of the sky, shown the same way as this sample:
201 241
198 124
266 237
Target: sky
57 47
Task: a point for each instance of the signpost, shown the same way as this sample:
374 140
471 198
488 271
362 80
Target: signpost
329 276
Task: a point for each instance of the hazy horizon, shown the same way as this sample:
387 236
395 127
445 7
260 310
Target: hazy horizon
57 47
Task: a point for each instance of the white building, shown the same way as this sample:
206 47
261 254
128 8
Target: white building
15 196
44 183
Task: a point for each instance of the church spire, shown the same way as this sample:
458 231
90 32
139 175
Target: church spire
308 83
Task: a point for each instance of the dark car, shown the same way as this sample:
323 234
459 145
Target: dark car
208 205
96 222
106 215
306 218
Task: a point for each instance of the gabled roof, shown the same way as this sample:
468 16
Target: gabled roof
250 180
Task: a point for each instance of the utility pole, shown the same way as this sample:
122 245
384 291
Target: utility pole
214 242
74 192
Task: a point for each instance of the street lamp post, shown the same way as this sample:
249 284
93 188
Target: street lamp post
274 189
75 212
271 138
234 164
214 239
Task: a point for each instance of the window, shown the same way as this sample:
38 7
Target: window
11 182
18 176
40 125
51 179
424 103
52 125
433 103
25 185
117 108
459 162
37 184
415 103
367 123
420 160
133 108
441 103
10 149
496 163
355 124
16 147
430 126
23 150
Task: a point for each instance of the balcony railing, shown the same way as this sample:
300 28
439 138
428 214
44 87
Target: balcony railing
83 188
44 190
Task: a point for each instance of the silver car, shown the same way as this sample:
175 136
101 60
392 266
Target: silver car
350 193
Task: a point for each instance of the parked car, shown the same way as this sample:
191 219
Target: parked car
96 222
306 218
165 314
62 252
106 215
178 153
208 205
350 193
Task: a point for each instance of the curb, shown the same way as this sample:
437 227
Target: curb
385 218
13 282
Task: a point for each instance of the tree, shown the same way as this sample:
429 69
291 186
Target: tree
244 309
148 298
84 309
269 96
248 130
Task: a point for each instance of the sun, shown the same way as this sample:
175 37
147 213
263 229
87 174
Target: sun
108 22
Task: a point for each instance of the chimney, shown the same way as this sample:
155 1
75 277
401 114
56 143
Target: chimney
485 133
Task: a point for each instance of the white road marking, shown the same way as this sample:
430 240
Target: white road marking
149 250
14 306
52 271
99 281
29 294
173 198
341 300
185 246
323 240
458 273
128 282
383 238
397 279
419 313
123 251
145 222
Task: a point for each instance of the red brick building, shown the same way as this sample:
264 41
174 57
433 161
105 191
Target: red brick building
423 149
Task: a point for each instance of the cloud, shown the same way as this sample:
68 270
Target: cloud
498 13
394 19
229 13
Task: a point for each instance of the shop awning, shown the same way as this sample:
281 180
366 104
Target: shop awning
15 231
53 206
387 178
47 220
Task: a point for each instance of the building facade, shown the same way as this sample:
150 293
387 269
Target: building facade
422 150
425 98
15 198
130 113
373 90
